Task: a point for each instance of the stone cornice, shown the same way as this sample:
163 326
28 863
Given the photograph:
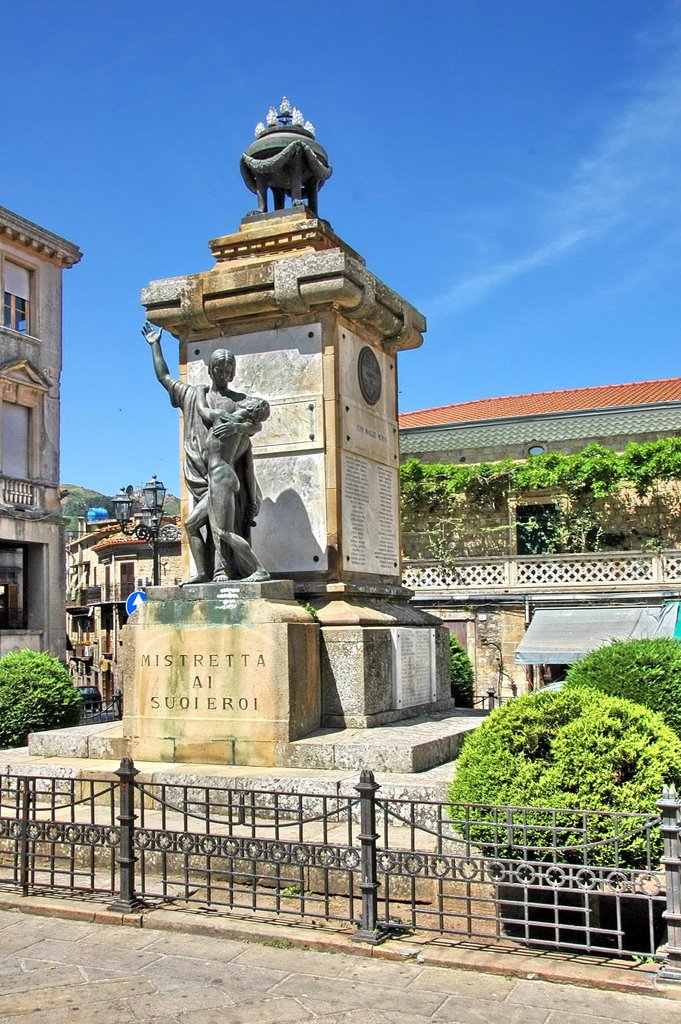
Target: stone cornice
289 284
39 240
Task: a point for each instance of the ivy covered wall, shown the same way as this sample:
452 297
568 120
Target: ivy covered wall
602 500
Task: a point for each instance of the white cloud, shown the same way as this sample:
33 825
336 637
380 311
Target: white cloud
632 177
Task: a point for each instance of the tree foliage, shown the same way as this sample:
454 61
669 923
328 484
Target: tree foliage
647 671
575 749
36 692
460 674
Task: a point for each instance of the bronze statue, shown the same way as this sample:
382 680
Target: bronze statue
218 425
229 438
287 159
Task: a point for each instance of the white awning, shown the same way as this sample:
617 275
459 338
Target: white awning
559 636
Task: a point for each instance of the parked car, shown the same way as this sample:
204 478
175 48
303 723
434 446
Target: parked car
96 709
90 696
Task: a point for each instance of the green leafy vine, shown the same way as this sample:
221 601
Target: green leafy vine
433 491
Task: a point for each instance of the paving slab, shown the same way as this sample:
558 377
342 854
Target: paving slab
341 993
482 1011
321 965
188 999
273 1011
79 974
618 1006
112 955
75 996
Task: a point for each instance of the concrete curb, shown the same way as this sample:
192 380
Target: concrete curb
585 972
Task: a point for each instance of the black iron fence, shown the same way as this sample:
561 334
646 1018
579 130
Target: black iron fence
104 709
489 700
567 880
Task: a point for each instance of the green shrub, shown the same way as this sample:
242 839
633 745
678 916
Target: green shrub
647 671
460 674
576 749
36 692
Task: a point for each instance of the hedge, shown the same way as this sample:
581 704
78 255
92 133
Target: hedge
36 692
646 671
575 749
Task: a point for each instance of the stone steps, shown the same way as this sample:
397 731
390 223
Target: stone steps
415 745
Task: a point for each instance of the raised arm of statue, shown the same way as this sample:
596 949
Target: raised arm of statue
153 337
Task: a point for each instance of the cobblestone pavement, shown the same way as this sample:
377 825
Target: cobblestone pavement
56 971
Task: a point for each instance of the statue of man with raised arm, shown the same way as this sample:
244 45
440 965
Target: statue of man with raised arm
212 561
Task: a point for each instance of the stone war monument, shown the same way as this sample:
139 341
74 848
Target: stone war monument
291 617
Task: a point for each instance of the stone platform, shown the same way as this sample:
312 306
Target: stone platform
407 747
427 785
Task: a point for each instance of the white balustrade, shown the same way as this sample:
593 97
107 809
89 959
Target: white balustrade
17 492
538 572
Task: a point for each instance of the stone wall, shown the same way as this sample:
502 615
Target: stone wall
628 521
490 634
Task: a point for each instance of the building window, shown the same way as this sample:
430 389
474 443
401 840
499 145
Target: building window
536 449
16 282
536 529
15 436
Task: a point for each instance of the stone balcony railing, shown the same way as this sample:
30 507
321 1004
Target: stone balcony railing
22 493
612 570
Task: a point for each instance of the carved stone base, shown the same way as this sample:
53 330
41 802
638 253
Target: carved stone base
382 659
221 673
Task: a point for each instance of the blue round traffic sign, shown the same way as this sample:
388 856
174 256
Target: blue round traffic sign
135 601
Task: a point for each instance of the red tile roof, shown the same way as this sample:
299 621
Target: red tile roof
110 542
606 396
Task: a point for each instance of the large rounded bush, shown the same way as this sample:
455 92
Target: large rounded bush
647 671
460 674
36 692
576 749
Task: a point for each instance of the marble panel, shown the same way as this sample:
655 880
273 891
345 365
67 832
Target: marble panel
365 433
370 516
292 426
284 363
414 666
350 346
291 531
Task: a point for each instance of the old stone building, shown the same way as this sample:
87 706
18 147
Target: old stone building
105 566
32 260
522 609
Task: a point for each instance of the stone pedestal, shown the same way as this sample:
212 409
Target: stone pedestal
382 659
221 673
317 335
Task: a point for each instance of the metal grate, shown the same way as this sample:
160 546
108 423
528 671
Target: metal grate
553 879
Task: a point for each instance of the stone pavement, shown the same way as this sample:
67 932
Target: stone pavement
67 971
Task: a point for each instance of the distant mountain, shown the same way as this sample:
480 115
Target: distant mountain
77 500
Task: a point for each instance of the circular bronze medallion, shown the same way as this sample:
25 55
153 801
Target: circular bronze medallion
369 373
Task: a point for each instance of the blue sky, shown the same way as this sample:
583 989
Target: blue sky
512 167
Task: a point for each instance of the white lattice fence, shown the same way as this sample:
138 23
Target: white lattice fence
463 575
566 571
617 568
671 567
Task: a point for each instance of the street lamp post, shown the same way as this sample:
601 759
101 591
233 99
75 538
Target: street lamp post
150 514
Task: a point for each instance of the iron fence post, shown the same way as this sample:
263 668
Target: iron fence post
369 929
23 847
491 694
671 823
126 900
